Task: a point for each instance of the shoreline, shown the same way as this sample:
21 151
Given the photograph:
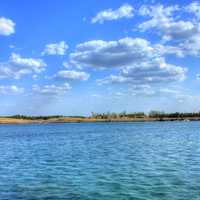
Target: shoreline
94 120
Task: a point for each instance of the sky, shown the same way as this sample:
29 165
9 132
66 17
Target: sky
77 57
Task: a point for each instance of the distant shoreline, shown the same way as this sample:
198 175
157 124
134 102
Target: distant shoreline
90 119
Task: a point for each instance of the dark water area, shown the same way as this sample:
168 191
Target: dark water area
97 161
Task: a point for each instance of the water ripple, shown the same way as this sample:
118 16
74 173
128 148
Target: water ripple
136 161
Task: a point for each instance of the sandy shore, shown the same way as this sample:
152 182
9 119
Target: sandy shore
71 119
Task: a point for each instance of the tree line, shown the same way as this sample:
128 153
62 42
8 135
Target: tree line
34 117
115 115
151 114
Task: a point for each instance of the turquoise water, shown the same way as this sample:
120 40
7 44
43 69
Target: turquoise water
97 161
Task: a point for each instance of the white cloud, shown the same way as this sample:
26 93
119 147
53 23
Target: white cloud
191 46
7 26
35 77
142 90
149 91
51 90
55 49
145 90
167 50
149 72
162 19
125 11
67 65
106 54
17 66
71 75
139 61
157 11
36 65
167 22
11 90
194 8
198 76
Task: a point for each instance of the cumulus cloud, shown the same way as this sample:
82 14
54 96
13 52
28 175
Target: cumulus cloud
167 22
71 75
31 63
18 66
139 61
107 54
7 26
51 90
161 18
125 11
71 64
191 46
11 90
150 72
55 49
169 50
194 8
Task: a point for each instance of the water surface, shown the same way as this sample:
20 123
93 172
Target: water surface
97 161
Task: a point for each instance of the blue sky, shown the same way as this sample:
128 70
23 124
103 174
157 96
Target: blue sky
76 57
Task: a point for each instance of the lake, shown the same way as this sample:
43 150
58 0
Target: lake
100 161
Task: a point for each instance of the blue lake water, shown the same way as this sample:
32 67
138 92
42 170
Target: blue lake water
97 161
